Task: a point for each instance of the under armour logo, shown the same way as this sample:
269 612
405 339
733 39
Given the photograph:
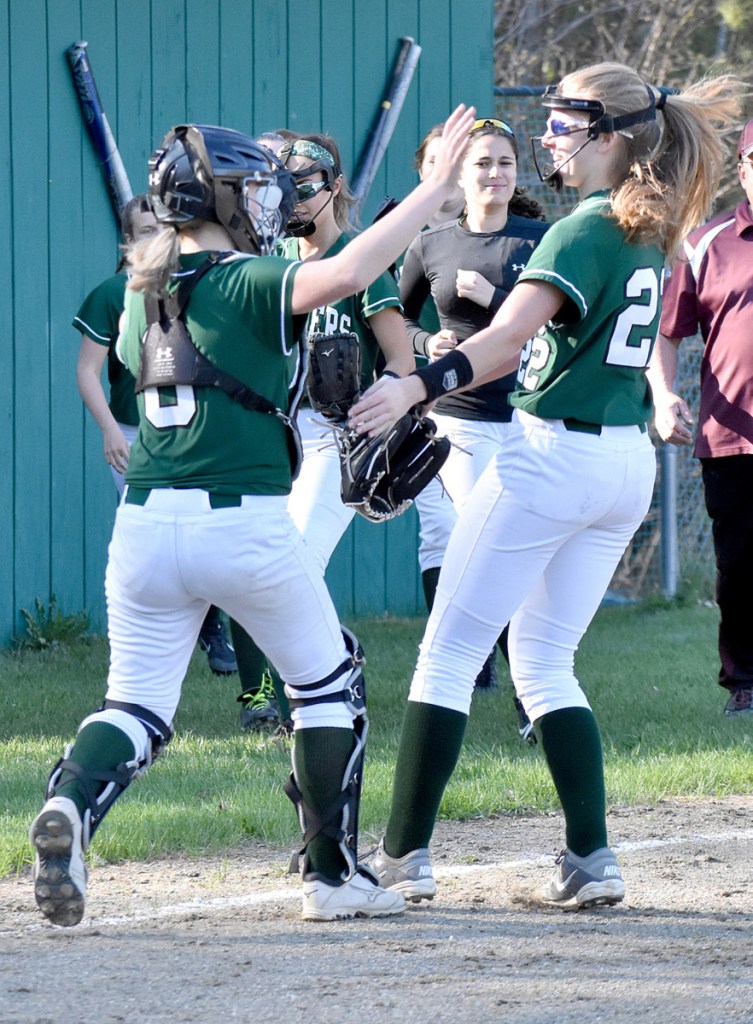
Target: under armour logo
518 266
164 352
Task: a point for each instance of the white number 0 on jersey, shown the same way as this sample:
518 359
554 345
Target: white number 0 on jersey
178 414
622 351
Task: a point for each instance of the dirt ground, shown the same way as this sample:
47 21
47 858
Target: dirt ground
221 939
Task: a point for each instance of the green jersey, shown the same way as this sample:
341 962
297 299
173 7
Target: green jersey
590 363
239 316
353 312
98 319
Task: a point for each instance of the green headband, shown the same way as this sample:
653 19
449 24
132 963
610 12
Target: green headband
311 151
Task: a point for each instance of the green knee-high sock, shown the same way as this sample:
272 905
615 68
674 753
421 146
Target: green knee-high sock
430 578
502 640
99 746
320 757
572 746
252 661
429 748
279 688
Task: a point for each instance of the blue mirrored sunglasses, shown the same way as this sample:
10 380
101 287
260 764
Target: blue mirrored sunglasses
557 127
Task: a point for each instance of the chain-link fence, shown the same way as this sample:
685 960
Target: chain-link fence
673 546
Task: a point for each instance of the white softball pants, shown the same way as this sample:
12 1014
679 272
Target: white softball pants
536 545
438 505
173 557
315 503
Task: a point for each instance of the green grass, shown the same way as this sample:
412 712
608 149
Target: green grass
649 672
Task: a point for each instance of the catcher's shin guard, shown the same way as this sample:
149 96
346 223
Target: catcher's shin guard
339 821
101 788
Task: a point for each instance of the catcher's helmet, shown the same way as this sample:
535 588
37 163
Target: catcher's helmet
202 172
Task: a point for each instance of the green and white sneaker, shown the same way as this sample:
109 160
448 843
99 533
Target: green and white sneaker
59 869
583 882
410 874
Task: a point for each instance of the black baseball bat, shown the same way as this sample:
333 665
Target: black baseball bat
98 129
386 119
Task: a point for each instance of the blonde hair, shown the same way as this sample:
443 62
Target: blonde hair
671 166
151 261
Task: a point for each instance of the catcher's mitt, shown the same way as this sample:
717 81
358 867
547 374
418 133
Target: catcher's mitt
334 377
381 476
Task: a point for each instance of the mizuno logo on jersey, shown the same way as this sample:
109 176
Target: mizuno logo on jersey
450 380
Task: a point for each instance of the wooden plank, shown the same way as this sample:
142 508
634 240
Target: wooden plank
369 576
402 20
7 361
337 82
339 575
167 31
31 402
203 48
236 65
68 521
269 64
98 255
373 54
402 576
131 119
305 65
472 56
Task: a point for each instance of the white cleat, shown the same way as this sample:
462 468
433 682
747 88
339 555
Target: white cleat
59 869
358 897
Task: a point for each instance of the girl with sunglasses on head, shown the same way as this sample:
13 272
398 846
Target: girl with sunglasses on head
538 540
469 265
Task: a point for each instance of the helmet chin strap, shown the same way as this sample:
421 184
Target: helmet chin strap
550 173
305 229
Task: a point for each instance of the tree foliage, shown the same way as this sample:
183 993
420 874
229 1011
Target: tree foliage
670 42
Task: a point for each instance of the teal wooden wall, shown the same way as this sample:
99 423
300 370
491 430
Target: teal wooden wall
247 64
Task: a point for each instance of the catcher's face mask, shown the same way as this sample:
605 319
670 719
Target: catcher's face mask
580 115
302 223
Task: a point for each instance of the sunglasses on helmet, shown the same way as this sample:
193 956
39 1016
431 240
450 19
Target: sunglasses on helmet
491 122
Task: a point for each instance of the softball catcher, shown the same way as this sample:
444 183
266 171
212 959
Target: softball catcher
204 518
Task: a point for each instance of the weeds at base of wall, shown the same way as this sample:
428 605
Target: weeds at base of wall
47 627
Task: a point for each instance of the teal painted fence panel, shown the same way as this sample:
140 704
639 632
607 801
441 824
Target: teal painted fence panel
251 64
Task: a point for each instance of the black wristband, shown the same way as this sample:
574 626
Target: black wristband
449 373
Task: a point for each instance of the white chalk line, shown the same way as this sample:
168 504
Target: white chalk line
204 905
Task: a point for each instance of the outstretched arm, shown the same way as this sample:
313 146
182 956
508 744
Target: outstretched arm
323 281
491 353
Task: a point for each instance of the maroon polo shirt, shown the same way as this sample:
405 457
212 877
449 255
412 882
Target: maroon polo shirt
711 290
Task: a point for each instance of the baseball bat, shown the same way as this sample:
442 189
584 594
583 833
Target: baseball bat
386 118
98 128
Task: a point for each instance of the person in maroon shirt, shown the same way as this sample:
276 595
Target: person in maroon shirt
711 291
